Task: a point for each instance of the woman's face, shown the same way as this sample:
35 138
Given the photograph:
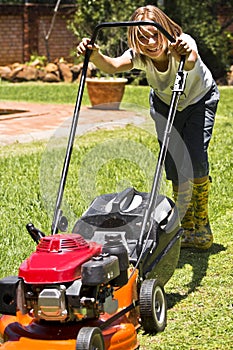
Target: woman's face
150 41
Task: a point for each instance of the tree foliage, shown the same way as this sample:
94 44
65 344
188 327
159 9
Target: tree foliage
201 20
91 12
197 18
23 2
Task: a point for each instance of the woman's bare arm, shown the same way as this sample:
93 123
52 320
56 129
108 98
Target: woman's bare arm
181 47
105 63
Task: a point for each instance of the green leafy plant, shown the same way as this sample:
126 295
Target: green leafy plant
41 59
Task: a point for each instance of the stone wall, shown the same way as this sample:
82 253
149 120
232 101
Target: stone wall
22 30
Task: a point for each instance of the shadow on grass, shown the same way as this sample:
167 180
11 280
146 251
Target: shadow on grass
199 262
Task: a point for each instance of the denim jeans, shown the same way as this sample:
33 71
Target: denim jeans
187 155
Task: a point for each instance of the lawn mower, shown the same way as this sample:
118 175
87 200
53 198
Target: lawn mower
94 287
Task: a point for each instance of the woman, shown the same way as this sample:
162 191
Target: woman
150 51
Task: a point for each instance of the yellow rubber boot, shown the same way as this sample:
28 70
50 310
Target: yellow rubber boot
203 234
185 207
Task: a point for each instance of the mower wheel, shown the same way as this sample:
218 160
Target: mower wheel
90 338
153 306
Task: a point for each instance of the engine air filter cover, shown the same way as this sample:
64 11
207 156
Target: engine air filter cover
58 258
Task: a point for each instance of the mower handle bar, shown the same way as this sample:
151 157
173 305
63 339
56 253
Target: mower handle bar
130 24
57 211
103 25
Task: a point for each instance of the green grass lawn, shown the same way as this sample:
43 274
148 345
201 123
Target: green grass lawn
200 294
60 93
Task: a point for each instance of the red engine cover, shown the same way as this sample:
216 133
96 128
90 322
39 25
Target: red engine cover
57 259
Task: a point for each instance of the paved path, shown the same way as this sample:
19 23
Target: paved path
35 121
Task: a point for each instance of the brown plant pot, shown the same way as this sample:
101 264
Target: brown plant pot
105 93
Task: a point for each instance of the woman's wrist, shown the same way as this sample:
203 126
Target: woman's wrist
95 55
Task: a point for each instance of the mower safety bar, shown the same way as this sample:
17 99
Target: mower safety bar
177 91
57 212
117 25
130 24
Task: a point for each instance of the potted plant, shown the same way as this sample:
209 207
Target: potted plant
112 41
105 93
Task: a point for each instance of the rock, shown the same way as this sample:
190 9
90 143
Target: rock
51 67
16 65
76 68
5 72
65 72
36 63
230 76
28 73
15 70
41 74
230 81
51 77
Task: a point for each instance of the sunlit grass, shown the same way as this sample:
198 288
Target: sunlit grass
200 295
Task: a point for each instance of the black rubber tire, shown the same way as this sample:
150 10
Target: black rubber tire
153 306
90 338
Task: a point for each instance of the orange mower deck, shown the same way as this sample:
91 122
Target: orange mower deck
121 334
